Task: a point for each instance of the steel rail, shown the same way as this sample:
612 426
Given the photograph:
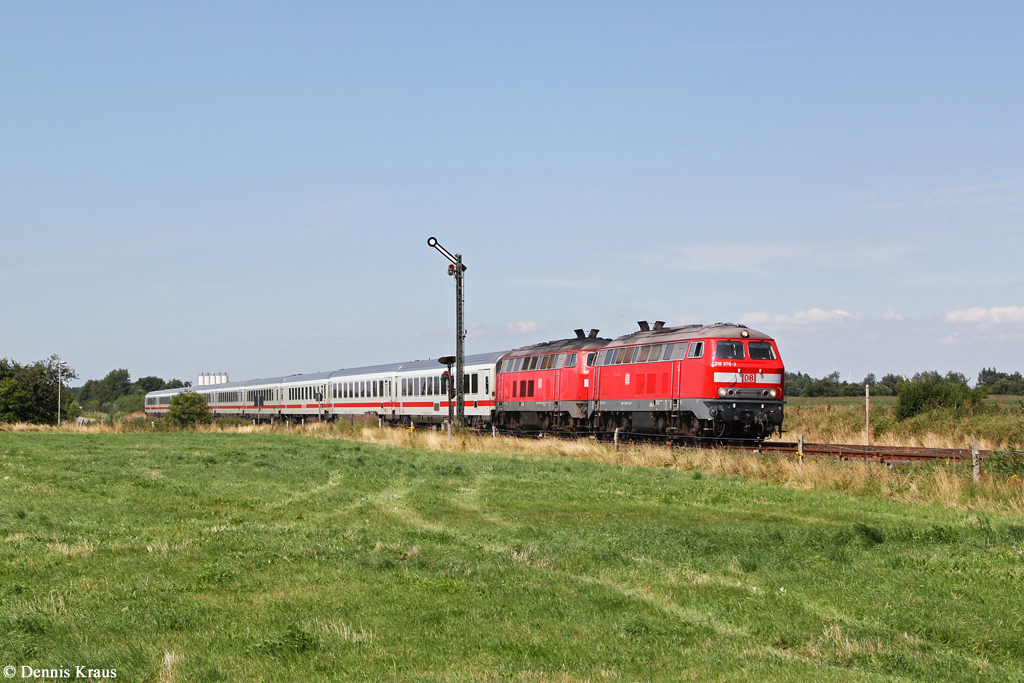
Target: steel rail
883 454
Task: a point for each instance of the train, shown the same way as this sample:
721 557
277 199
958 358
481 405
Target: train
721 381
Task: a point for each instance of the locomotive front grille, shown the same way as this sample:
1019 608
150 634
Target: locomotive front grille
746 393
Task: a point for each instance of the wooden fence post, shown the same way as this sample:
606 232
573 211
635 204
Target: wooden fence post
977 461
867 412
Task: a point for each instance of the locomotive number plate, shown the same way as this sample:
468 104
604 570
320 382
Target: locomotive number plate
748 378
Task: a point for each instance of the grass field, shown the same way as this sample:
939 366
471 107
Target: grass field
275 557
997 423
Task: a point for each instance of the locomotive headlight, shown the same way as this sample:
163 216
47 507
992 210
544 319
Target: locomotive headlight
722 392
774 393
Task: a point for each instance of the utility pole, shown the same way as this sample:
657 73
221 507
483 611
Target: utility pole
457 269
60 382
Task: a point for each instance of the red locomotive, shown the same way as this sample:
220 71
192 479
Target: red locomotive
721 381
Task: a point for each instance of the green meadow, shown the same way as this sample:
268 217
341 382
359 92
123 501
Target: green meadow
273 557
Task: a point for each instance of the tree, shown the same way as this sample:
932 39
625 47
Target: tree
28 393
1000 382
148 384
189 408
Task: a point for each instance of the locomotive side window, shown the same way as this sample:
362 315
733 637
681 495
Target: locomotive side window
522 388
760 351
591 357
570 360
514 386
696 350
529 389
729 350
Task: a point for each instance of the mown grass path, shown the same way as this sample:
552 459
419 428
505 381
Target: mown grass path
207 557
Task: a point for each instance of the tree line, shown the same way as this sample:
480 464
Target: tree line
28 393
990 380
117 393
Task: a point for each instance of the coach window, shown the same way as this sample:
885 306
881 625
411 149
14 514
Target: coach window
570 360
487 384
727 350
476 385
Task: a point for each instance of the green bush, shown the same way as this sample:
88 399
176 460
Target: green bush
188 408
920 395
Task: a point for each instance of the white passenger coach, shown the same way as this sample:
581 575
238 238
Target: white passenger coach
409 393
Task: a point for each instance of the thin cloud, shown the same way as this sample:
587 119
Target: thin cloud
999 315
589 283
758 257
811 318
522 328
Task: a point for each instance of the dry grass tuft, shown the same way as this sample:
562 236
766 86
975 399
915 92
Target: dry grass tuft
70 551
166 674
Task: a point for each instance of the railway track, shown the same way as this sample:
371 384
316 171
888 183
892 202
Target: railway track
882 454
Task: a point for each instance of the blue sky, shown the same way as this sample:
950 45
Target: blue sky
248 187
